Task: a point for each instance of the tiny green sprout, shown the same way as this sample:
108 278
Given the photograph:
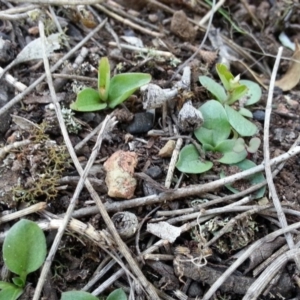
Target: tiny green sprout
24 251
234 89
244 165
253 146
117 294
111 91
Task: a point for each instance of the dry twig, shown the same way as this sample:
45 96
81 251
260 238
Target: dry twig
268 171
81 182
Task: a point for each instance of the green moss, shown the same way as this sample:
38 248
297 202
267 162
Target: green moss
46 162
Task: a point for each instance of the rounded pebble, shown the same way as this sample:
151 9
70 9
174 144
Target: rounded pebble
259 115
142 123
154 172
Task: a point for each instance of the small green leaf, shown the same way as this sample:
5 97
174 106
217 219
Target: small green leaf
189 161
247 164
225 146
118 294
233 157
88 100
253 145
230 156
208 147
77 295
254 92
243 126
124 85
239 145
9 291
216 127
103 78
237 94
225 76
6 285
246 112
214 88
18 281
24 248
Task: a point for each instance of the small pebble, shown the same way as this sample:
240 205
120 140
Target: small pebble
167 149
154 172
142 123
153 18
195 290
259 115
149 190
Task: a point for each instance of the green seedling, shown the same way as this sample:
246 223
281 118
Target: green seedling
225 15
224 127
117 294
234 89
24 251
111 91
214 136
253 179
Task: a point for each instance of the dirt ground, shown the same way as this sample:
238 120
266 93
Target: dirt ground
216 240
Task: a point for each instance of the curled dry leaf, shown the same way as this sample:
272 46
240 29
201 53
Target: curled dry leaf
292 76
154 96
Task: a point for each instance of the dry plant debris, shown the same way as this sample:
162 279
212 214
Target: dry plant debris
134 220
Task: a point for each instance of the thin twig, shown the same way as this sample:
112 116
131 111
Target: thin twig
57 24
268 238
266 276
128 22
59 83
200 46
233 221
60 2
19 86
80 185
74 77
143 50
172 164
100 272
23 212
272 189
18 9
189 191
212 11
137 237
88 137
8 148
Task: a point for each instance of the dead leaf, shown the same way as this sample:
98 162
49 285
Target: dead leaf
292 76
164 231
24 123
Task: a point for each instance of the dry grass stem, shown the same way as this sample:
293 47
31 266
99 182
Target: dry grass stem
24 212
